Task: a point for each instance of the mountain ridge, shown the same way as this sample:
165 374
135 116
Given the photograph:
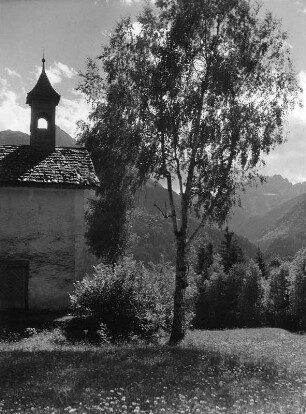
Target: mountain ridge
285 234
154 238
258 200
9 137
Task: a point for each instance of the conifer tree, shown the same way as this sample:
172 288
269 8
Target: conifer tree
259 259
250 299
230 251
205 258
211 304
232 292
278 297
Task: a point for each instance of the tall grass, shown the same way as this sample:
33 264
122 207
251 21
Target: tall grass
232 371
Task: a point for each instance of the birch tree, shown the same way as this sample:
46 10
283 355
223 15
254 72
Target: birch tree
194 93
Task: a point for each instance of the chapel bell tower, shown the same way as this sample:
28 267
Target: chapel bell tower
43 99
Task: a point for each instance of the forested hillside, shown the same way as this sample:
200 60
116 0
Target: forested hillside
152 230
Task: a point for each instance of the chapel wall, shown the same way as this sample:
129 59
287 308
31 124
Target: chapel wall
46 227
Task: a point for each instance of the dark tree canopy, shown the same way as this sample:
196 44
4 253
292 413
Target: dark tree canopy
196 92
230 251
205 258
260 261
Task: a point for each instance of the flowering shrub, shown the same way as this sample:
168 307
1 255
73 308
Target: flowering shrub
127 298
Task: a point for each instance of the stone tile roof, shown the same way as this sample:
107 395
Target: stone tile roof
65 167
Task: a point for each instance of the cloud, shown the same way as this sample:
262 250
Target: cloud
299 113
15 114
69 112
12 73
57 72
302 4
12 115
130 1
289 159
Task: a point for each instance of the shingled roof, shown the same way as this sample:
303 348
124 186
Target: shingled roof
65 167
43 91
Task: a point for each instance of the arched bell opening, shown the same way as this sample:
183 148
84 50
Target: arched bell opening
42 122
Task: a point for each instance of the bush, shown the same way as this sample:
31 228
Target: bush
127 299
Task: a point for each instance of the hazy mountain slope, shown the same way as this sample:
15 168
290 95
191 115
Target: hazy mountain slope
279 228
63 139
153 194
285 232
9 137
153 233
258 200
257 226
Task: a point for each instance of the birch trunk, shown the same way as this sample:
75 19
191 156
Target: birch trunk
179 314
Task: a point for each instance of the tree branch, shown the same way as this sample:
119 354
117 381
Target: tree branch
194 234
167 174
164 214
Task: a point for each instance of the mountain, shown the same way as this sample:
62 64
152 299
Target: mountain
153 236
9 137
154 197
258 200
283 229
273 217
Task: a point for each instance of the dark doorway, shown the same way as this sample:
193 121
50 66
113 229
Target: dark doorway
14 284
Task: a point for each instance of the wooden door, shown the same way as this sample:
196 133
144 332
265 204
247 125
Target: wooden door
13 284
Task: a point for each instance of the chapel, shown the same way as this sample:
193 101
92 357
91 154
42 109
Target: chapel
44 190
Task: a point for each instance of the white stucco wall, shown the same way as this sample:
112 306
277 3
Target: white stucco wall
46 227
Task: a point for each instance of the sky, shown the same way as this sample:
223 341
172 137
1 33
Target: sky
70 30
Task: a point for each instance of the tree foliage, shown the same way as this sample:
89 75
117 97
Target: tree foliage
196 92
250 299
107 220
245 298
204 259
230 251
259 259
298 289
278 296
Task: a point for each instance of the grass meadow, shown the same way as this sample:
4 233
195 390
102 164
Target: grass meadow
231 371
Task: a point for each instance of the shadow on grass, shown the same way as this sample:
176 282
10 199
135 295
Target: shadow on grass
67 377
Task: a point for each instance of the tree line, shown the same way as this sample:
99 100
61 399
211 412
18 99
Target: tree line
235 292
